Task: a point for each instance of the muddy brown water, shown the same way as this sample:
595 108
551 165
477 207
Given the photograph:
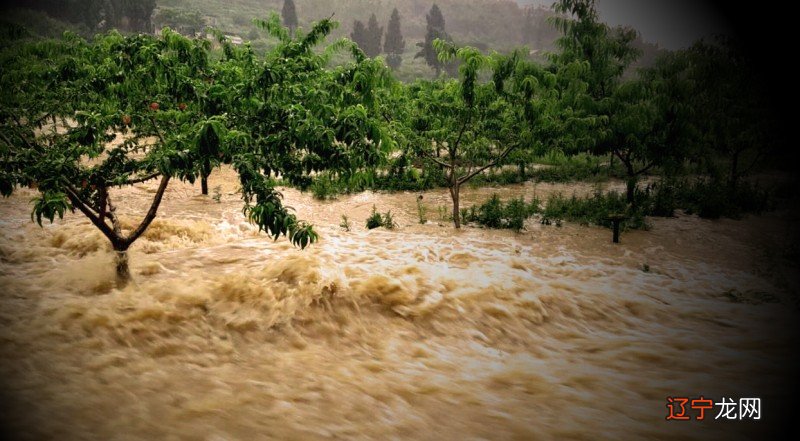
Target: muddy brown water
423 332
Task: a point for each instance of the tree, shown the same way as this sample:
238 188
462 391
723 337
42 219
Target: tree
435 30
64 102
289 14
187 22
374 37
607 52
730 108
650 120
480 124
359 35
394 45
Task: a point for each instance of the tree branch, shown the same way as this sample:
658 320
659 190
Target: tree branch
151 214
648 167
496 160
157 130
138 180
438 161
99 223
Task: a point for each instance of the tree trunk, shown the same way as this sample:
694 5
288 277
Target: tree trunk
631 184
206 170
456 213
522 173
611 165
631 190
123 270
734 178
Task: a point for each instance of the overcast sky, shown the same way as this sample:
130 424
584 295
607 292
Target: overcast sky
672 24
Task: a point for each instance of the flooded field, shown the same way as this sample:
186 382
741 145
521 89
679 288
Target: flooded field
423 332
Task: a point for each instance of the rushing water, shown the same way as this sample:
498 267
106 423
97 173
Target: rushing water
423 332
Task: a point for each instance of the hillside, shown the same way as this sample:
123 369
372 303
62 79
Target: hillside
500 24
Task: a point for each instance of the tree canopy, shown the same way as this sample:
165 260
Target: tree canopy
80 118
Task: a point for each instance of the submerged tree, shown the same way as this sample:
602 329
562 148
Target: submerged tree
730 108
79 119
478 124
394 45
607 52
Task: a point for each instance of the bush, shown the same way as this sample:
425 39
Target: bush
708 198
564 168
494 214
376 220
593 210
325 187
345 223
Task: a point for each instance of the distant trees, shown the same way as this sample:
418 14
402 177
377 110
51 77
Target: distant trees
125 15
394 45
187 22
368 38
289 15
359 34
435 30
374 37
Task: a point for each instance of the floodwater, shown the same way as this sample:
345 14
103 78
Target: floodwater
422 332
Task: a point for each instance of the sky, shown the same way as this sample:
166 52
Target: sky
673 24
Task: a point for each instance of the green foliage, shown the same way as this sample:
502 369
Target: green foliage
595 209
375 220
324 187
49 205
707 198
388 221
495 214
182 113
345 223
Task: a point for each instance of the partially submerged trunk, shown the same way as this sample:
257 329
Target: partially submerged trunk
100 210
122 268
204 177
631 190
454 194
204 184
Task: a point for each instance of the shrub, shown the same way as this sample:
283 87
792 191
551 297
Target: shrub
388 221
421 211
345 223
593 210
495 214
374 220
385 220
324 187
